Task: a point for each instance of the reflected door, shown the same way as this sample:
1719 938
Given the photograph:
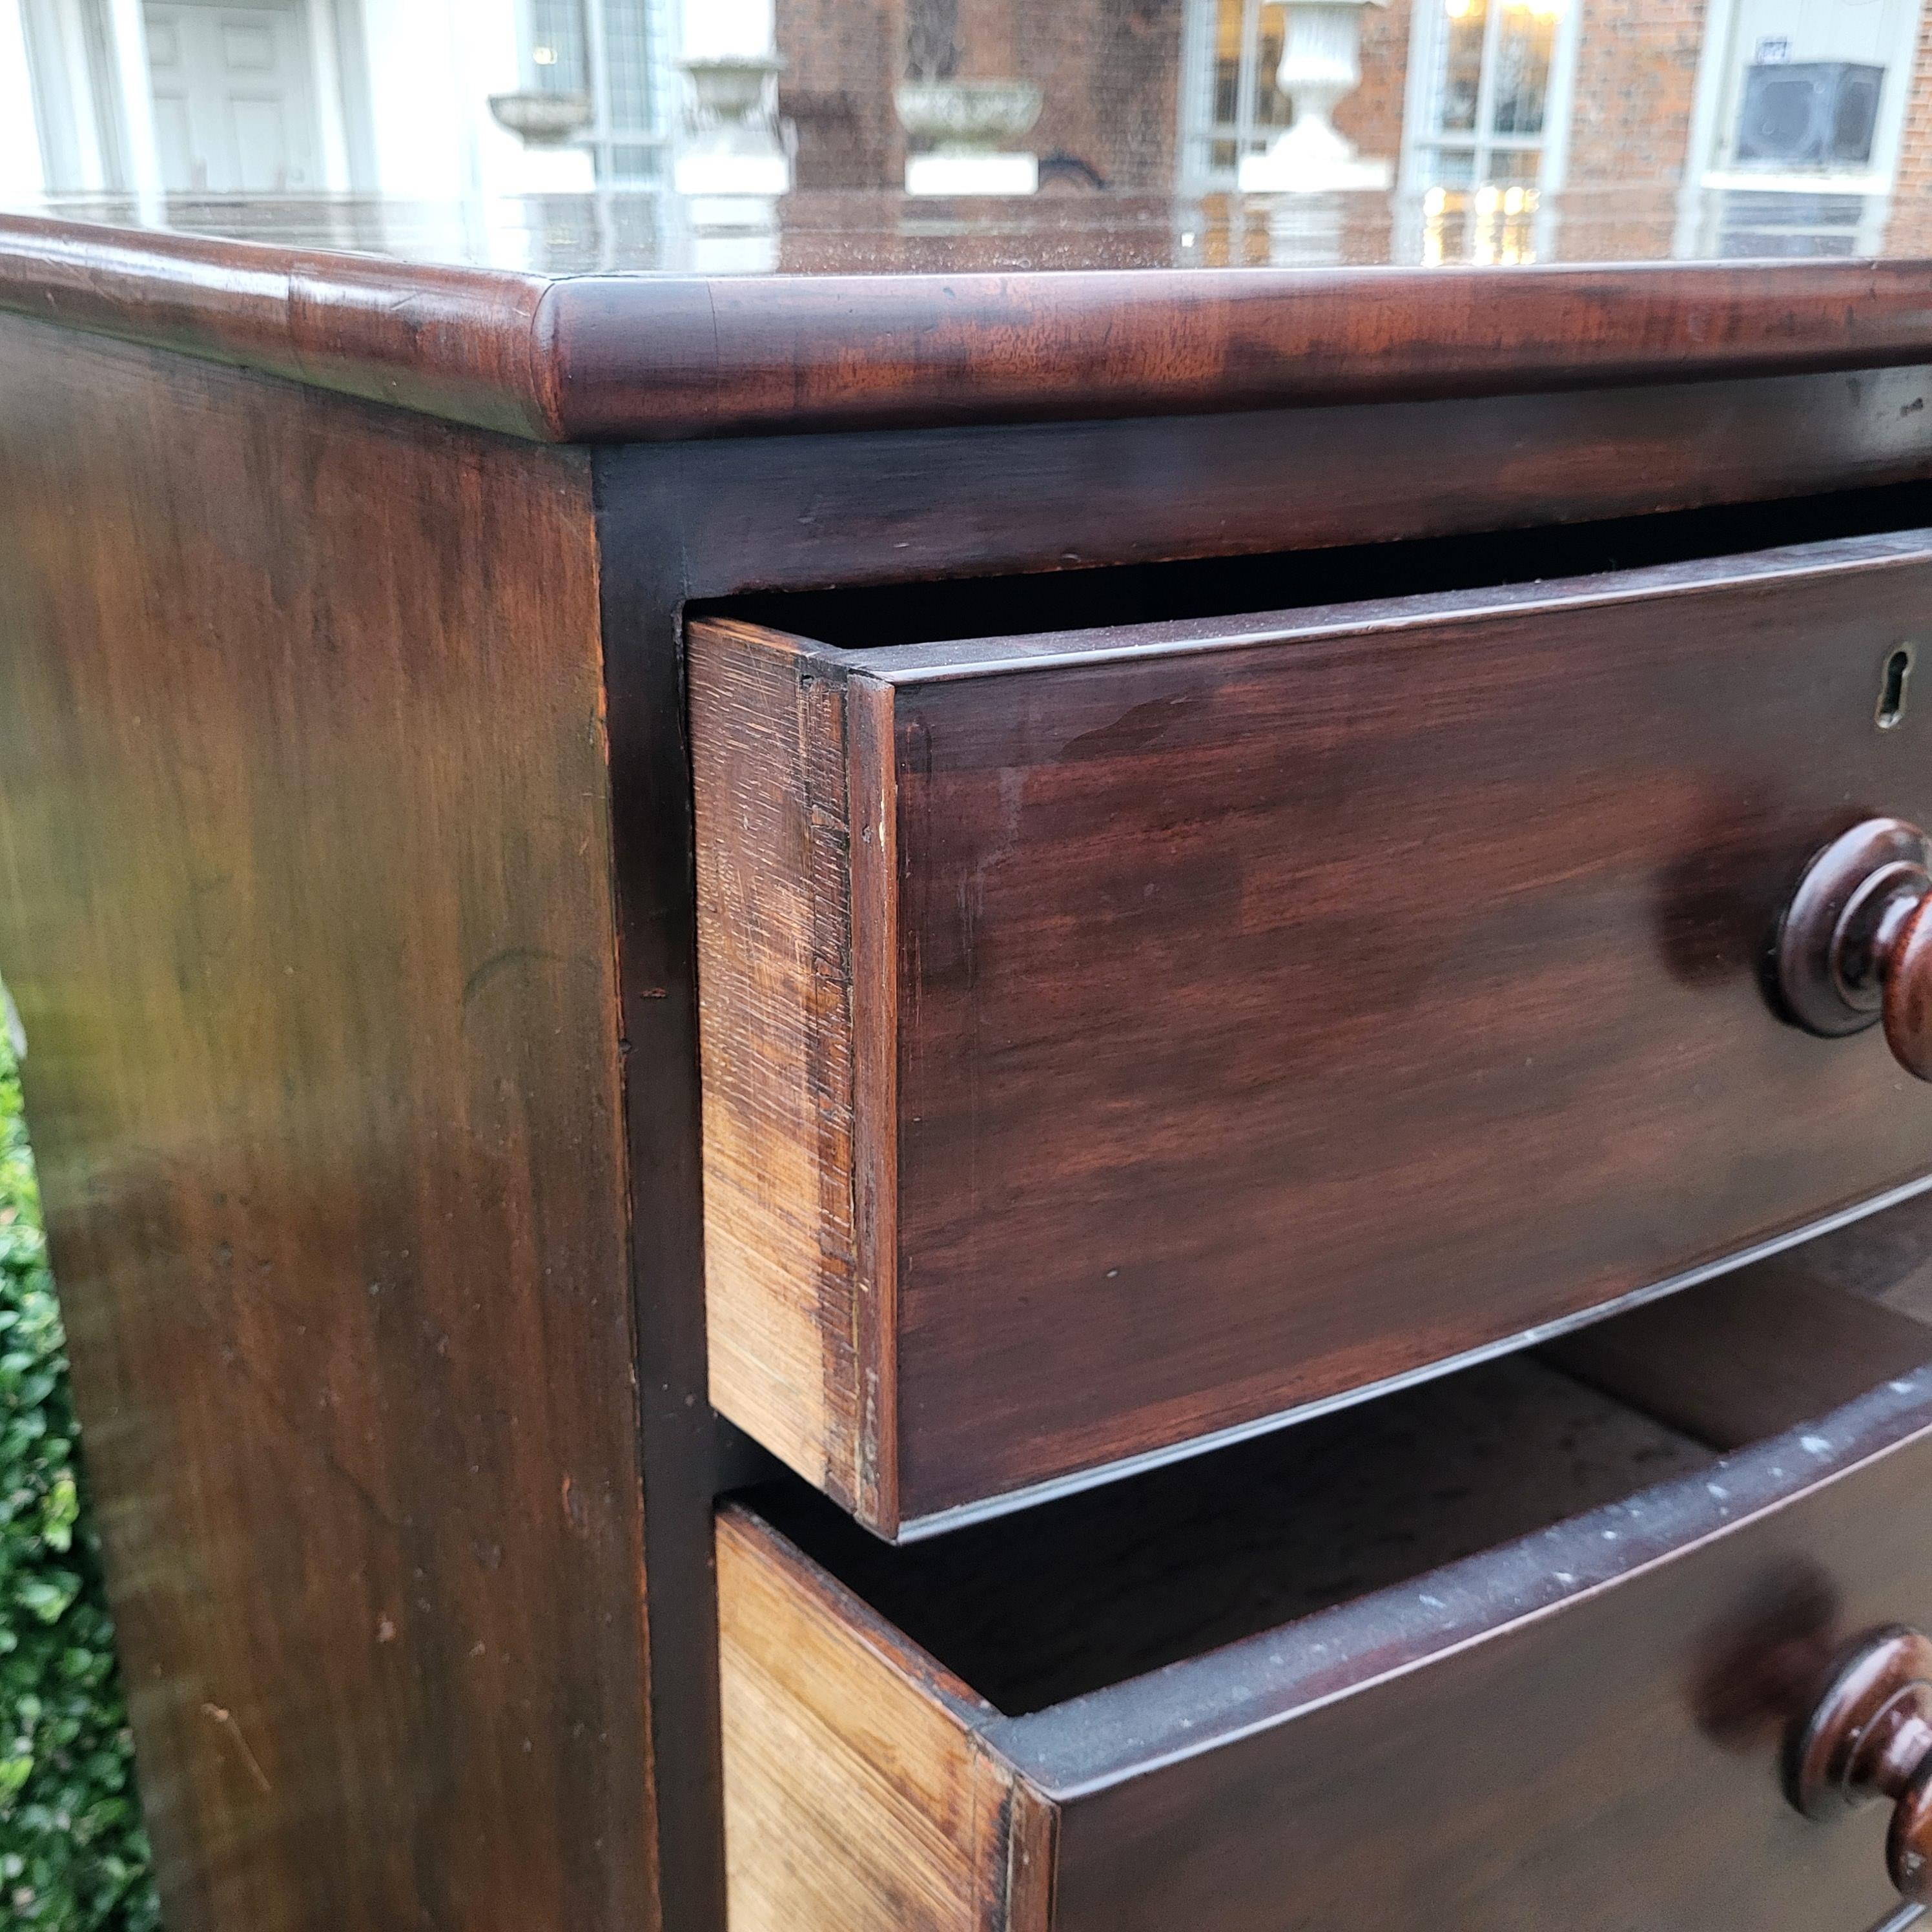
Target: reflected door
234 110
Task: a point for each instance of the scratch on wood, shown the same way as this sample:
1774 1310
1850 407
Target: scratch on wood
225 1719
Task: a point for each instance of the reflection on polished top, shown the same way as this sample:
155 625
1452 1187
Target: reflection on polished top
874 214
747 137
854 232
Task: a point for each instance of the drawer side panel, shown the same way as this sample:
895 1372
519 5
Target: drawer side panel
775 1006
858 1796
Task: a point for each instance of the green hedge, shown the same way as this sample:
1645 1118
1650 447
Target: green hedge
73 1855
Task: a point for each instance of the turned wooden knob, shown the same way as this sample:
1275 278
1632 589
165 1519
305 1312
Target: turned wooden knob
1855 946
1869 1736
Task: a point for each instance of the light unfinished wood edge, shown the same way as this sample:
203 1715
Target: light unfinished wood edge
792 767
859 1794
872 796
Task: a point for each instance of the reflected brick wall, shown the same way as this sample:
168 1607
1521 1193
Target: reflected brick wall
1112 74
1109 70
1371 117
842 60
1637 81
1915 159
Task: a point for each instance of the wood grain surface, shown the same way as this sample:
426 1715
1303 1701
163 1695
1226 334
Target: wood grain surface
305 898
796 1133
656 357
464 343
1794 1345
1053 1603
839 1733
1606 1764
890 509
1288 1005
643 360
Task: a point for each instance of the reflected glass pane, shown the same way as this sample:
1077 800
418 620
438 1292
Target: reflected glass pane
1271 108
1525 40
1509 165
1227 62
627 54
1460 77
557 46
1450 167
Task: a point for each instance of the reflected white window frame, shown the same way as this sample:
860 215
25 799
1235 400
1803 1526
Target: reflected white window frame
608 135
1712 128
79 119
1200 131
1421 141
1714 196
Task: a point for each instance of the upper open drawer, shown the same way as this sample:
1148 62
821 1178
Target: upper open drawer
1119 1039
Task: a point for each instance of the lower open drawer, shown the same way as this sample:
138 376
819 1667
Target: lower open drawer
1518 1649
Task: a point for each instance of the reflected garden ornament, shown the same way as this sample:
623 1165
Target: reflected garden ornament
541 120
968 123
553 159
732 146
1320 65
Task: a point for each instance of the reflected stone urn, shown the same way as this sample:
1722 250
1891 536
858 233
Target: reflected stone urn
541 120
969 124
733 148
729 89
1321 66
968 117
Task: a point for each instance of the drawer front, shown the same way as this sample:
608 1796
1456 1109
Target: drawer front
1581 1730
1116 1039
1559 1773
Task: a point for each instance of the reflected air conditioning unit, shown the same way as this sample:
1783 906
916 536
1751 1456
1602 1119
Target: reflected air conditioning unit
1808 114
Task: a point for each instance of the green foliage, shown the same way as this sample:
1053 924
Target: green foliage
73 1855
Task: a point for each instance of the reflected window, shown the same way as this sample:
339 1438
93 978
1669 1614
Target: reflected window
1233 106
615 55
1799 132
1488 93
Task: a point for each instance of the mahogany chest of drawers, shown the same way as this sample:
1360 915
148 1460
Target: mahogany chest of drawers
978 1103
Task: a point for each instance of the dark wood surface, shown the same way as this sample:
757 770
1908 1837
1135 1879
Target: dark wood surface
1284 1007
642 582
621 358
1591 1765
305 898
886 508
854 230
1045 1605
1580 1728
463 343
788 354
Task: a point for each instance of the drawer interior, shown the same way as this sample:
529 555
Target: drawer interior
1063 1599
880 616
1069 1597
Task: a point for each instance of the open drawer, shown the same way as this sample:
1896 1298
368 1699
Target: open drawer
1121 1039
1297 1687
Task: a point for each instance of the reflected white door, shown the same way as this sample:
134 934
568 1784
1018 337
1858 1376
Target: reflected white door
234 99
